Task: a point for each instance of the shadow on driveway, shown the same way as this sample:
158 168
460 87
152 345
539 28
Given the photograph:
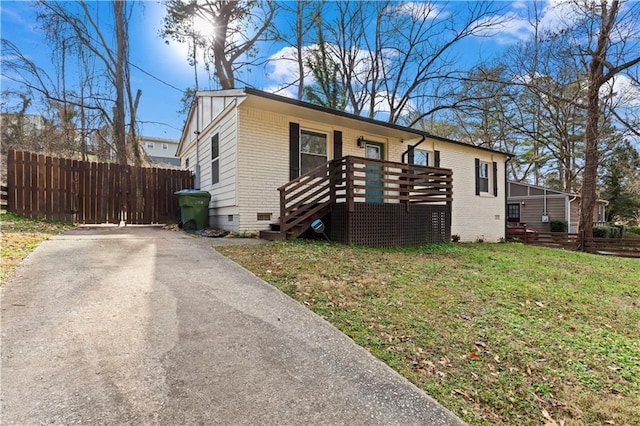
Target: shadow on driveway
142 325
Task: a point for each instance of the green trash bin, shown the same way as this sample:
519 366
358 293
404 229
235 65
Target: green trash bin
194 209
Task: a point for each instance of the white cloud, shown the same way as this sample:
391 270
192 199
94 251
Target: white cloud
506 29
287 92
558 15
626 93
282 68
519 5
516 25
421 10
283 65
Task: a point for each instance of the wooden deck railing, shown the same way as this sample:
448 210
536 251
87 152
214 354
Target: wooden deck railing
354 179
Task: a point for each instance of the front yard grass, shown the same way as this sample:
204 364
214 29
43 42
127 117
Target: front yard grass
497 333
19 236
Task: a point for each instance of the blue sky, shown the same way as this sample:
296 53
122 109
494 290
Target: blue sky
159 102
167 63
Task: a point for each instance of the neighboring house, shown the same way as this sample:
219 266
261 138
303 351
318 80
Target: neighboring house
15 125
160 151
243 144
537 206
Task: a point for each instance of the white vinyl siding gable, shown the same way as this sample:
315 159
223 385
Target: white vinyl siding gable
218 176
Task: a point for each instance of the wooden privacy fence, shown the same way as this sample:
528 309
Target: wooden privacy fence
4 194
90 192
624 247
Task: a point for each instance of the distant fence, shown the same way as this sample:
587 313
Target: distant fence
4 194
90 192
624 247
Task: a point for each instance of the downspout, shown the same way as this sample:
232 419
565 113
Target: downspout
568 215
196 167
196 180
412 147
507 193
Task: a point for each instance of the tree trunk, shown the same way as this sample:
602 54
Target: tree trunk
119 134
299 47
595 80
133 134
588 193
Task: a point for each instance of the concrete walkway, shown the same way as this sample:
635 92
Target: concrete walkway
140 325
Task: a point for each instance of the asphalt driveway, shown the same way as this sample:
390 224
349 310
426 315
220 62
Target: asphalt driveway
140 325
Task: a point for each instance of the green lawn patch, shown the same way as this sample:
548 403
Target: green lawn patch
19 236
497 333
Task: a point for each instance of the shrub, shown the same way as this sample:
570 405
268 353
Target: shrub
608 231
633 229
619 231
557 225
455 238
600 231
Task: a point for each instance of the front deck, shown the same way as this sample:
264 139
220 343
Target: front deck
368 202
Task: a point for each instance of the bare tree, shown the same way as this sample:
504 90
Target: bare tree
421 37
394 55
297 35
606 37
327 89
354 42
236 25
105 90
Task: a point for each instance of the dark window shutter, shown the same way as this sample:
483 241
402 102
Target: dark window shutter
337 144
477 176
294 150
410 157
495 179
436 158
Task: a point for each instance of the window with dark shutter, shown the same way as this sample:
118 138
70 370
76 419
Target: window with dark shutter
482 176
294 150
495 179
477 161
337 144
313 150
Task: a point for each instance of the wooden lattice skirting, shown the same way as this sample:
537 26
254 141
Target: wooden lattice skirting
390 224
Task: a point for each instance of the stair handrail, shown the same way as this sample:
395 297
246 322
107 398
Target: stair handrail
315 188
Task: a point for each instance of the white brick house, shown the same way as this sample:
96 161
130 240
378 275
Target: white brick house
243 144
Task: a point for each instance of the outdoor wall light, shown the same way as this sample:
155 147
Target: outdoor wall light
361 141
